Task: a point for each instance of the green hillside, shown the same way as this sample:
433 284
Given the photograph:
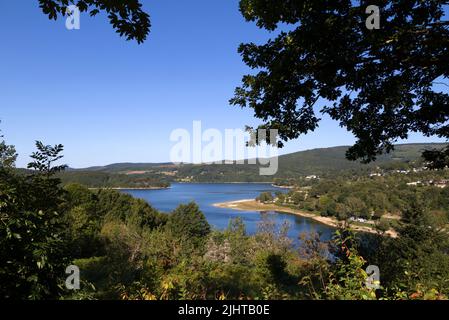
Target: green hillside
100 179
324 161
333 160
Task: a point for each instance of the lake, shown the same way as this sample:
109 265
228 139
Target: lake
205 195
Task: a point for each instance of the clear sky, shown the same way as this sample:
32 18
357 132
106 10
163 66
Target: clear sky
108 100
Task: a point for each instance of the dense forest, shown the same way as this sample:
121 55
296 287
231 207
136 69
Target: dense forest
114 180
128 250
377 199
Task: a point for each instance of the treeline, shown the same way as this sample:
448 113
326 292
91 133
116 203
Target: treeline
96 179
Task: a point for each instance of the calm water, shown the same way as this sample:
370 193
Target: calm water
205 195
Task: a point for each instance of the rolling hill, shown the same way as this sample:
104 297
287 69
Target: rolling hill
324 161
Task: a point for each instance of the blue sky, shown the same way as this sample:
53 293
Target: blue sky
108 100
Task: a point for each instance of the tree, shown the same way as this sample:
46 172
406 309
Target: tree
347 280
341 211
298 197
189 222
44 158
280 197
126 16
416 263
379 84
265 197
8 154
437 159
33 250
356 206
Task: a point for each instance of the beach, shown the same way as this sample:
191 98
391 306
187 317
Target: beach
253 205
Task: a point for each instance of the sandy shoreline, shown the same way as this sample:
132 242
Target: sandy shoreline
143 188
253 205
283 187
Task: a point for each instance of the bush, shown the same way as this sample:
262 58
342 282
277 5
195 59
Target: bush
265 197
188 222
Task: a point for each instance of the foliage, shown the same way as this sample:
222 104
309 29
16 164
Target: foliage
94 179
188 222
379 84
372 198
33 254
8 155
416 262
437 159
265 197
44 158
128 250
126 16
347 280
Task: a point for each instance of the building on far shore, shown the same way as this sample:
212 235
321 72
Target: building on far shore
376 174
436 183
441 183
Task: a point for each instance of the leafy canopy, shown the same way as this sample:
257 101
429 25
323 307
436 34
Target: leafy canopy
380 84
8 154
188 221
44 158
126 16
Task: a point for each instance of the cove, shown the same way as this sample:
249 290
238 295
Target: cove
206 194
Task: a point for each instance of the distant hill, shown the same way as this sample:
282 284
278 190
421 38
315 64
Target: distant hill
328 160
323 161
124 167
